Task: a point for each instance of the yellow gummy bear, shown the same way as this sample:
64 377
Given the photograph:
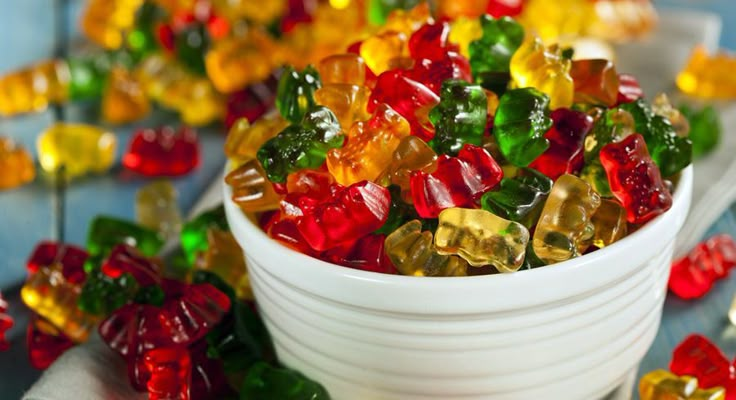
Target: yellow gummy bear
157 208
378 50
534 65
106 22
16 165
123 100
413 253
244 140
77 148
51 296
369 148
252 190
34 88
481 238
463 31
348 102
234 63
408 21
609 221
565 228
664 385
224 258
709 77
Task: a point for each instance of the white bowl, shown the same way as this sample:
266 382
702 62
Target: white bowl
573 330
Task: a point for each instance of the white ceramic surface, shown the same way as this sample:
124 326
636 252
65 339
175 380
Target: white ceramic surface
574 330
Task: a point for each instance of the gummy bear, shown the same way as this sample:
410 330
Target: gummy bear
609 221
16 164
123 100
565 228
544 68
45 342
707 76
252 191
170 373
408 97
458 181
519 199
244 140
412 251
369 147
194 232
76 149
635 180
266 382
157 208
693 275
696 356
295 93
349 214
163 152
378 50
412 154
302 145
348 102
521 120
566 137
596 82
664 385
481 238
224 257
459 118
348 69
490 56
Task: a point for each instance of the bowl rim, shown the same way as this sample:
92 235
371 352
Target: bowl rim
681 199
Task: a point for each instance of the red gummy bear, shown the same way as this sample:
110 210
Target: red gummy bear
432 73
251 102
365 253
188 313
697 356
430 41
458 181
635 180
126 259
163 152
6 322
566 137
407 97
693 276
70 257
351 213
45 343
628 89
171 373
504 8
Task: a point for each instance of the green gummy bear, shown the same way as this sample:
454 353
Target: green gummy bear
519 199
194 233
88 77
302 145
459 118
141 40
521 120
295 92
490 55
191 44
240 340
705 129
670 152
102 294
106 232
265 382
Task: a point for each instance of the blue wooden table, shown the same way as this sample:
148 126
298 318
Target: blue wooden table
32 30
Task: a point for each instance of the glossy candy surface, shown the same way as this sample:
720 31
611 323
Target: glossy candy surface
77 149
635 180
565 228
664 385
521 120
369 147
163 152
481 238
16 164
693 275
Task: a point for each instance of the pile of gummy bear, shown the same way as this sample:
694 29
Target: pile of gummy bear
433 151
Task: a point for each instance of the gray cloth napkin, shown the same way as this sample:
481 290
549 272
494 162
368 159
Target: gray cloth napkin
93 372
